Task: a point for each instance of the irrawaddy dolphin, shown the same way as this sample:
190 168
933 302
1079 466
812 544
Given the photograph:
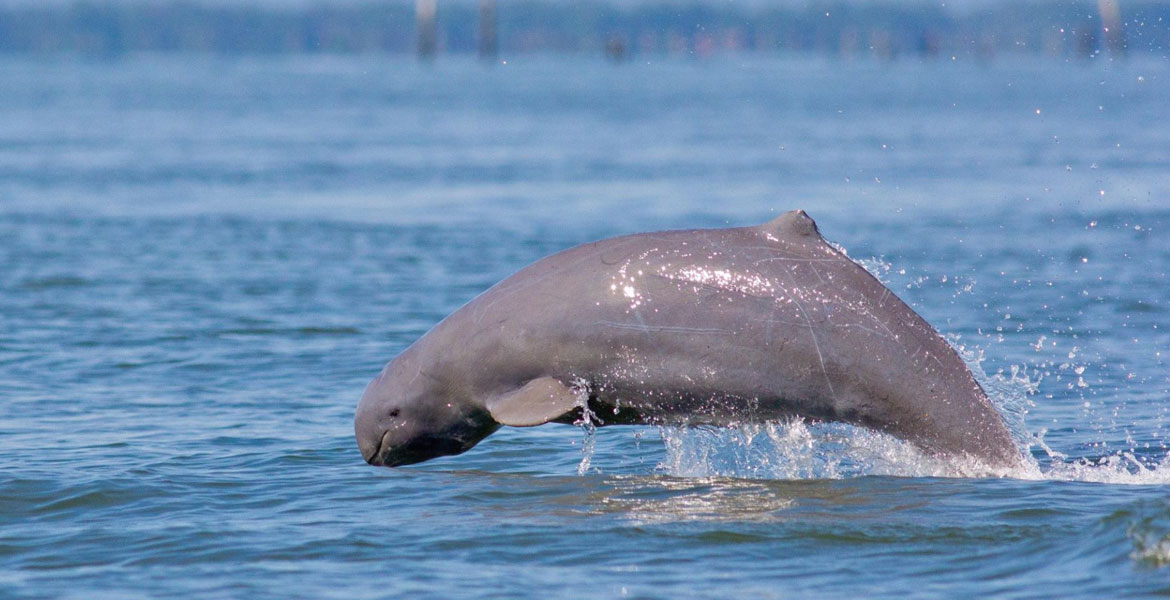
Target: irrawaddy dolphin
697 327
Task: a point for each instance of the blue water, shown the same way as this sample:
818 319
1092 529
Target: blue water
203 261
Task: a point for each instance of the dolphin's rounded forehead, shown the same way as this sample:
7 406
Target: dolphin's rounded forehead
409 415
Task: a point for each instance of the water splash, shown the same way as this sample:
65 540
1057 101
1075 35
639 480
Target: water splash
800 449
1012 390
588 423
803 450
1120 468
588 447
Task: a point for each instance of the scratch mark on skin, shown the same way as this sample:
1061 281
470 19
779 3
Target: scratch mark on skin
782 322
816 343
881 323
624 259
646 328
661 328
420 371
817 273
773 250
862 327
715 290
501 291
769 333
792 259
667 235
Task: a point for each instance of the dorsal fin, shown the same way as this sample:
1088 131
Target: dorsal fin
794 222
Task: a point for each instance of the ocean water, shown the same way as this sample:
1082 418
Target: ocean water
203 261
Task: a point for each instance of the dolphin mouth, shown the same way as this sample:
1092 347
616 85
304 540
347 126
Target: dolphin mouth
374 456
416 451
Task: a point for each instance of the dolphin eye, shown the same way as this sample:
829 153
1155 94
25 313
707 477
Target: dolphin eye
394 412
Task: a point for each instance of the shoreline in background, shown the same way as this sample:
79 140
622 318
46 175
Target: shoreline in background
1080 29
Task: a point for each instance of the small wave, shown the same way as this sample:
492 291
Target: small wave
669 500
802 450
1148 529
51 282
1122 468
289 331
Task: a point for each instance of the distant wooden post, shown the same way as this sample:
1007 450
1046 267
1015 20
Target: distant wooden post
1111 26
424 14
487 29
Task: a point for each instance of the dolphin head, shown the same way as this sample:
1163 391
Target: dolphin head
407 416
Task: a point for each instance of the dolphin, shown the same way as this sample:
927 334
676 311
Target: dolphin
693 327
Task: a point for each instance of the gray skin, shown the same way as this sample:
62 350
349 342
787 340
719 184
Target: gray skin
700 327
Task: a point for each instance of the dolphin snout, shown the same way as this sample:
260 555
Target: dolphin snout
373 452
368 431
390 444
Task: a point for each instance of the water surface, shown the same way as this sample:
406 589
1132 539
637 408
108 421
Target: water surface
204 260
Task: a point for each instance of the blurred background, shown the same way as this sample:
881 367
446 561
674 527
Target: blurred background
619 28
327 105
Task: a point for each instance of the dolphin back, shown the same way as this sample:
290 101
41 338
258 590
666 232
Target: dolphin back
709 326
884 366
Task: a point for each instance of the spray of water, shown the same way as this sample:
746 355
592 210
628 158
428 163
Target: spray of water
588 424
799 449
